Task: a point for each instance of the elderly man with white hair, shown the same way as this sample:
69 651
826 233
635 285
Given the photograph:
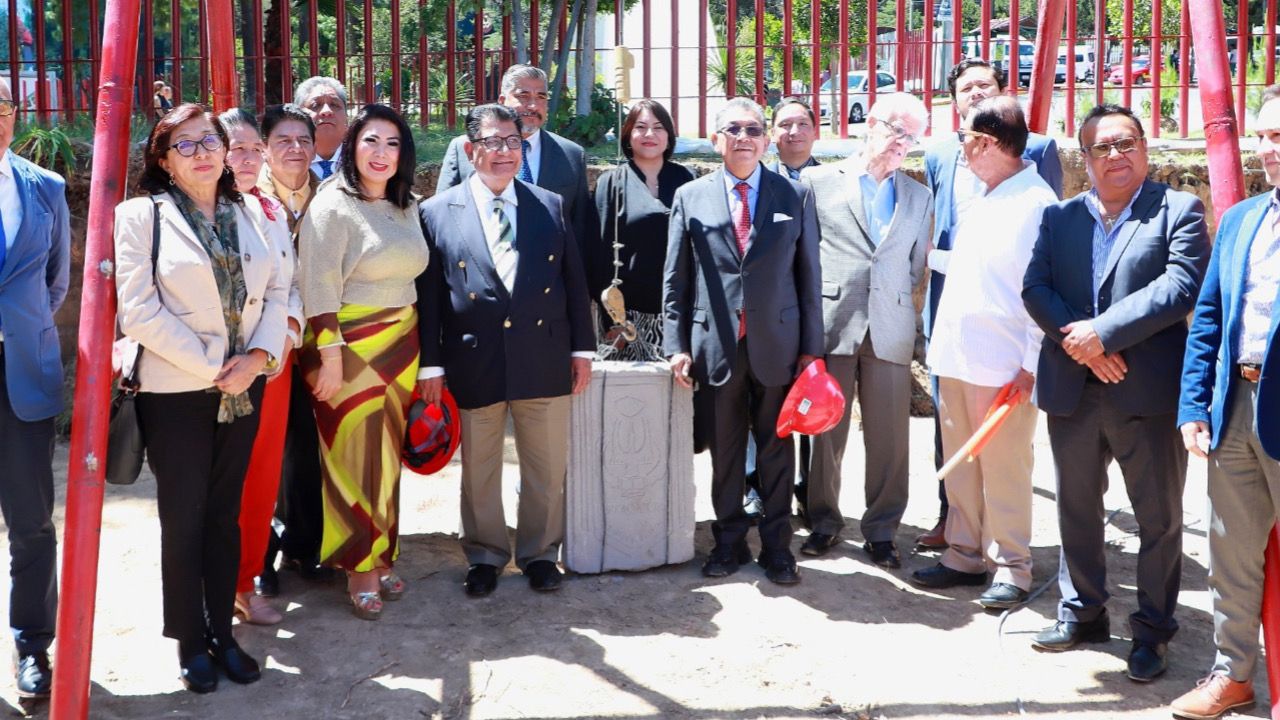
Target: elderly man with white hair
875 222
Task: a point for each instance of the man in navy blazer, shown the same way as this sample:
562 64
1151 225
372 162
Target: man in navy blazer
550 161
1229 412
1112 277
34 267
953 184
743 315
504 320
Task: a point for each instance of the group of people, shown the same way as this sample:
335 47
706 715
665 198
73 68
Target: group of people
291 295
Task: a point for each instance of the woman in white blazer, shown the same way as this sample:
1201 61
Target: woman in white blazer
210 315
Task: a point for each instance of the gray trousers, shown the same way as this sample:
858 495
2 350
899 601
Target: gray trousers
26 500
542 446
1244 504
1154 463
884 394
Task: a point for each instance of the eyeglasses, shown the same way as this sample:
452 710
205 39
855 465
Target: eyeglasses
962 133
493 143
525 96
1103 149
7 108
187 148
751 131
900 133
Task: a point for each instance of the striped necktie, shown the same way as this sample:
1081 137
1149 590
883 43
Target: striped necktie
504 255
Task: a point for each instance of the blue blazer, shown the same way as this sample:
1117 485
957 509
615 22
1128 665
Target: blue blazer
940 175
1149 287
33 284
495 345
1208 376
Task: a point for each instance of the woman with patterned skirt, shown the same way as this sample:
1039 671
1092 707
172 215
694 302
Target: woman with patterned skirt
360 249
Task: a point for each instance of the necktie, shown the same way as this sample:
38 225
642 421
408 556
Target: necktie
504 256
326 169
742 229
4 241
526 174
881 210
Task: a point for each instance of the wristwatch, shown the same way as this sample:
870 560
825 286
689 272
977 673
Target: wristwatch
272 363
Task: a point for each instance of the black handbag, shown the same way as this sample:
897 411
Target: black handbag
125 444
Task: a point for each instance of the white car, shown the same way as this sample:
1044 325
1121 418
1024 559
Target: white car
829 95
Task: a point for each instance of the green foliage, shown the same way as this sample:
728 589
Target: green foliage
1171 19
47 147
590 129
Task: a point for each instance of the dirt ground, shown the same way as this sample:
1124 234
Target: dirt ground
851 641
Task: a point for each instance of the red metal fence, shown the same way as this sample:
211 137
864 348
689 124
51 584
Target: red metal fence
378 49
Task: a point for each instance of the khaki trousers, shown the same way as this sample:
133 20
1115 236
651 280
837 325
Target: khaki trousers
542 446
989 524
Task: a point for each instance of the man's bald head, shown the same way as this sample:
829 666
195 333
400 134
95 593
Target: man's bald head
1001 117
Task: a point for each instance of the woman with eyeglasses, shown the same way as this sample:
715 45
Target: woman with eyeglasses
634 202
245 156
360 249
200 290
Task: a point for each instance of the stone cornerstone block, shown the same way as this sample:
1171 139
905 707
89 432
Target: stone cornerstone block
629 494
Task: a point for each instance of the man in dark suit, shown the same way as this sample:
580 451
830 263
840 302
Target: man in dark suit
35 258
953 185
504 319
743 315
1229 412
1112 277
549 161
794 131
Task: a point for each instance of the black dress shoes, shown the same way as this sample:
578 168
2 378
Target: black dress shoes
198 674
268 583
35 677
1147 661
1002 596
1068 633
780 567
725 559
235 662
543 575
309 569
884 554
817 544
481 580
940 576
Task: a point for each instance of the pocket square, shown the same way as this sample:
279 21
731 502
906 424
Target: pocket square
780 217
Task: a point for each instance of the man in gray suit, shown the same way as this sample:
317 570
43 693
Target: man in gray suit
1112 278
549 161
875 223
743 315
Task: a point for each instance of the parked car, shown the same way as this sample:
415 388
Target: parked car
829 95
1140 71
1084 63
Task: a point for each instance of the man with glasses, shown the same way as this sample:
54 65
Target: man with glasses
954 185
875 222
1113 276
1228 414
547 160
984 349
742 299
325 100
504 319
35 252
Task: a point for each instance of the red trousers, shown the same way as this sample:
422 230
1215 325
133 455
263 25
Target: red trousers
262 479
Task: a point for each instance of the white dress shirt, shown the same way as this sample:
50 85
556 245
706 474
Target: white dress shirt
534 155
10 206
983 334
1261 285
965 186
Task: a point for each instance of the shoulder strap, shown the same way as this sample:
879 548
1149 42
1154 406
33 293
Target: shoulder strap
131 382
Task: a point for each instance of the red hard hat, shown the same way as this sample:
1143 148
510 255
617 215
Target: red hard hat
432 435
815 403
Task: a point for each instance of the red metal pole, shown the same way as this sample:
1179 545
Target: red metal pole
507 58
928 63
1015 50
175 10
68 66
85 468
424 65
840 111
533 30
396 77
370 84
1271 609
731 52
42 88
873 66
222 54
286 53
1242 62
702 68
900 46
202 22
1069 105
1156 66
450 63
313 36
95 48
788 38
1099 48
984 27
1222 143
148 58
1045 63
957 34
1126 54
1270 63
1184 70
259 79
481 91
760 51
340 23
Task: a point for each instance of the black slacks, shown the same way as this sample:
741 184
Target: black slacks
26 500
199 466
740 406
300 507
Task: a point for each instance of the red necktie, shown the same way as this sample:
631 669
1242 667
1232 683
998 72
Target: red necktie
742 229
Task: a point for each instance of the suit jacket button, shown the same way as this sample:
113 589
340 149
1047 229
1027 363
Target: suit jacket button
472 296
506 323
253 301
547 291
539 322
551 258
462 263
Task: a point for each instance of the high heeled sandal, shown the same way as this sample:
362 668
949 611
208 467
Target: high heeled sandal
366 605
256 611
392 586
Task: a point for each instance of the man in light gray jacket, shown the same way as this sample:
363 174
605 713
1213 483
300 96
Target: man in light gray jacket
875 223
